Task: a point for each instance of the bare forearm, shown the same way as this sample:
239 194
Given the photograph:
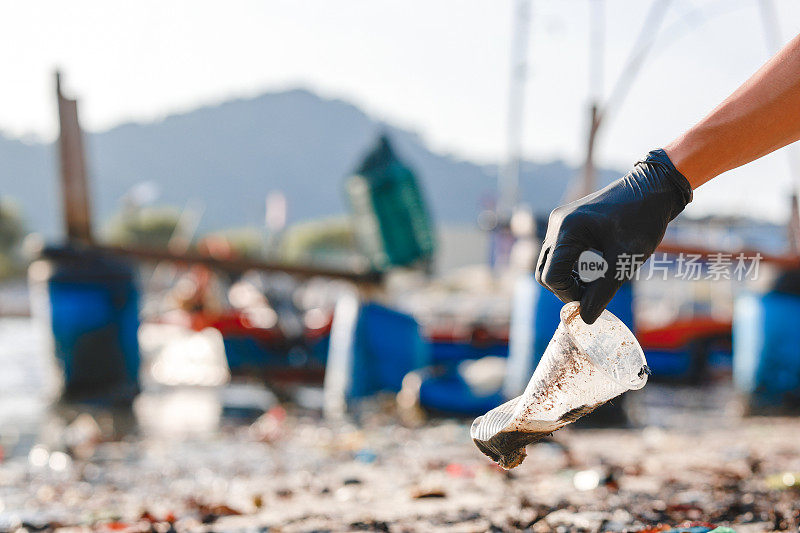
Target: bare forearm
760 116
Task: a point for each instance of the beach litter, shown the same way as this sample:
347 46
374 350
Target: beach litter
583 367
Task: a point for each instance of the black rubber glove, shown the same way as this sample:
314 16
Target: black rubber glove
624 222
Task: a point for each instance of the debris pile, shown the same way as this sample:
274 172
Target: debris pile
293 472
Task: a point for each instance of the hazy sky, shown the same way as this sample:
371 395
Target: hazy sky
439 67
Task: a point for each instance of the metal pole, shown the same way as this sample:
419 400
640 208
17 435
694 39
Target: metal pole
598 112
596 71
589 181
508 178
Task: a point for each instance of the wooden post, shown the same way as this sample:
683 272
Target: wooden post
74 182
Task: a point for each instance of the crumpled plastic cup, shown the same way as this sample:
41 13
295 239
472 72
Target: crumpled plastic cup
583 367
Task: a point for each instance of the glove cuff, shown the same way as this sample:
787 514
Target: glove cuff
660 157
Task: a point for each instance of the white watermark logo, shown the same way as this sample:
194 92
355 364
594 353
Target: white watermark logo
690 267
719 266
591 266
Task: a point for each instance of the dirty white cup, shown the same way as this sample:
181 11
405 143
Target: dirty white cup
583 367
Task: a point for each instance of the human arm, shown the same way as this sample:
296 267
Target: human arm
628 218
762 115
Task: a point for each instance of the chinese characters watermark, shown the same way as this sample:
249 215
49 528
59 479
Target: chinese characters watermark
689 267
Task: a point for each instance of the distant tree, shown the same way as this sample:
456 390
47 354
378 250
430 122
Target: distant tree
239 242
11 228
145 226
12 231
329 241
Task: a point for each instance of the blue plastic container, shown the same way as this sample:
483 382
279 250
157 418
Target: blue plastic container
250 354
94 316
766 350
245 354
372 348
670 364
388 346
452 353
452 395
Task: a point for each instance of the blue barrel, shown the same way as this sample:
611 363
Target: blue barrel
388 346
372 348
766 350
94 316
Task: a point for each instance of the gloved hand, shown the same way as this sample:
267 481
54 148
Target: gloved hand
624 222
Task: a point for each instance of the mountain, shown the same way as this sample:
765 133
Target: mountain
28 176
231 155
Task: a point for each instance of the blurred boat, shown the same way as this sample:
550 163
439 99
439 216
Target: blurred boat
264 349
688 350
453 344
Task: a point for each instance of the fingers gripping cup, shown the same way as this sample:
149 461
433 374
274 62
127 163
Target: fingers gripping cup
583 367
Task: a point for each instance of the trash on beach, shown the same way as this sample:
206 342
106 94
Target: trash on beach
691 527
82 435
583 367
419 493
211 512
269 427
586 480
365 455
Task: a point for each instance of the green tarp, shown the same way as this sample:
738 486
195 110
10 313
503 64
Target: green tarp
392 221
